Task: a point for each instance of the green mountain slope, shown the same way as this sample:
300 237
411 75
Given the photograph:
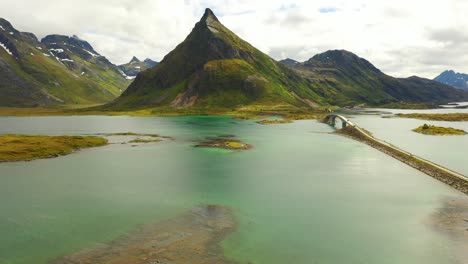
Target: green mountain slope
214 67
349 79
55 71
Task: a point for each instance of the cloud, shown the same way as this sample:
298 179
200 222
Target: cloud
400 37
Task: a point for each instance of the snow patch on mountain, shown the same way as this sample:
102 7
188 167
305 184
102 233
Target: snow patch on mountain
92 54
126 76
57 50
6 49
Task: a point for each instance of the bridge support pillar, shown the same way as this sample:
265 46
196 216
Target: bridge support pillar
344 124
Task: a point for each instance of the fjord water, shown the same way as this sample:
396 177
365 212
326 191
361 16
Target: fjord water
301 195
448 151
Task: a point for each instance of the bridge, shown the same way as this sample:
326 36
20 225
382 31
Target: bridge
331 120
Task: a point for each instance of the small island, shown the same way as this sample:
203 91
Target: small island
31 147
439 131
223 143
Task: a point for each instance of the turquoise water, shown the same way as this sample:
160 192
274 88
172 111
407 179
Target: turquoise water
300 195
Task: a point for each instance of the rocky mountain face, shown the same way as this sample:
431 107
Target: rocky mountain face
349 79
455 79
135 66
213 67
56 70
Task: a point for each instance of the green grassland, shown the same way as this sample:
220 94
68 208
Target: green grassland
30 147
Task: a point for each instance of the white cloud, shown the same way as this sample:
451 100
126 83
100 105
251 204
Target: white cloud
401 37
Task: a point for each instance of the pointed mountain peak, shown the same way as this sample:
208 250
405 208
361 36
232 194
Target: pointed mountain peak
134 59
209 17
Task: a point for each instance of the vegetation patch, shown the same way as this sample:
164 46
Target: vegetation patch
274 121
224 143
130 134
30 147
440 131
142 140
438 117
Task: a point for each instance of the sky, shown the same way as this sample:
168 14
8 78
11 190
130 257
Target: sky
400 37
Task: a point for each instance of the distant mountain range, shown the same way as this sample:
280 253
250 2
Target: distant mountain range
135 66
56 70
346 78
455 79
212 67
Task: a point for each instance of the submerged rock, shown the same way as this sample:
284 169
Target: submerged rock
193 237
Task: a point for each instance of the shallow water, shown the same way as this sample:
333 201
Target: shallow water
300 195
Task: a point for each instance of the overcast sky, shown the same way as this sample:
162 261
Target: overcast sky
401 37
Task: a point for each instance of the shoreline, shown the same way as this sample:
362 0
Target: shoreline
438 172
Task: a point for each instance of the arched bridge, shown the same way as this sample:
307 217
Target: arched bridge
331 120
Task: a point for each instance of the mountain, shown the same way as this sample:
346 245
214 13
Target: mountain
289 62
56 70
135 66
214 67
349 79
455 79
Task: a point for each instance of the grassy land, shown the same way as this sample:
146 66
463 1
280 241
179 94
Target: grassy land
30 147
435 130
438 117
244 112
